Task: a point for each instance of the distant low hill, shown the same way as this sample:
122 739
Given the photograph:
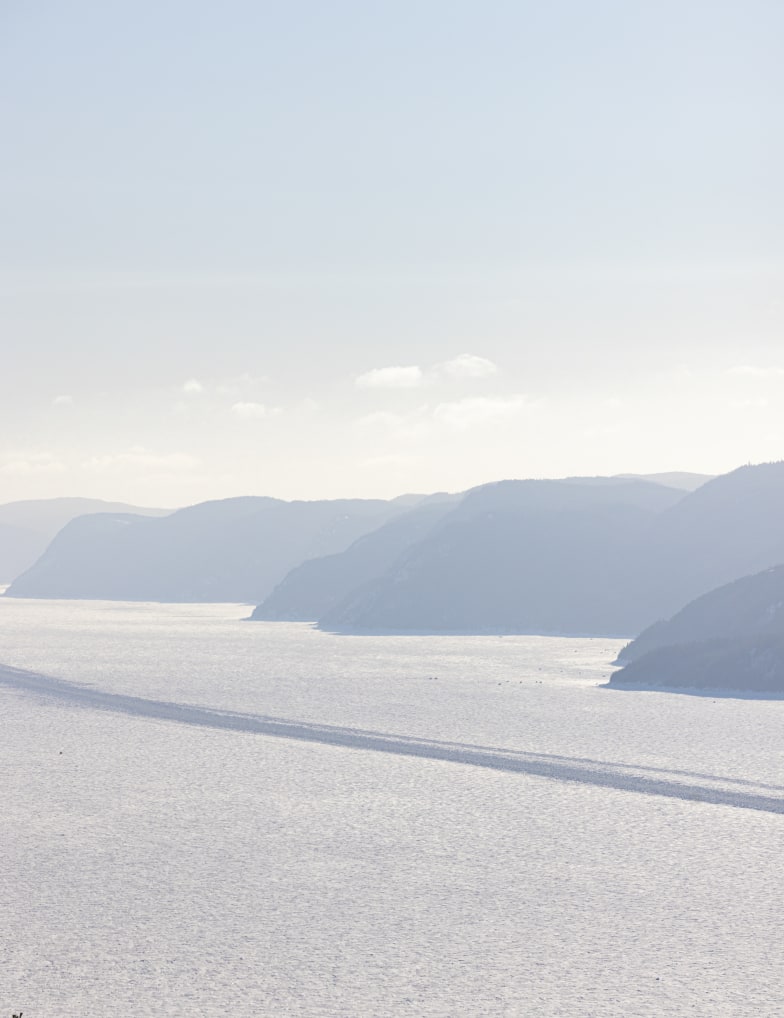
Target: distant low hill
27 527
729 639
231 550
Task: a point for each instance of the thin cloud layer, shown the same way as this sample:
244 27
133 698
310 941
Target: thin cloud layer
462 414
25 463
410 377
468 365
754 371
252 411
463 367
454 415
141 457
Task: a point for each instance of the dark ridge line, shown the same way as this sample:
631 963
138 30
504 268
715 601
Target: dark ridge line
571 769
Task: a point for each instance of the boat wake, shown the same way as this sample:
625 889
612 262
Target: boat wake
686 785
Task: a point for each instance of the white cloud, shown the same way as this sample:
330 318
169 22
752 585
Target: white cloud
748 404
392 461
252 411
138 456
240 384
426 421
410 377
468 365
380 419
24 463
752 371
396 427
464 366
462 414
63 400
193 387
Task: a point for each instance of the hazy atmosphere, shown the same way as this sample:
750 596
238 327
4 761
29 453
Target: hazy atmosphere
354 249
391 501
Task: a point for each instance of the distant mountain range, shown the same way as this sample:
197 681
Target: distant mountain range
236 549
579 556
326 589
731 638
516 556
590 556
27 527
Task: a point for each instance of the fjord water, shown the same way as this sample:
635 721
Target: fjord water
204 816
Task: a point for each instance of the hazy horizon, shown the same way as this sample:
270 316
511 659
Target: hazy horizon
657 477
319 251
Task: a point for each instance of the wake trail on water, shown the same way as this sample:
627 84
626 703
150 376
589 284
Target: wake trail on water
686 785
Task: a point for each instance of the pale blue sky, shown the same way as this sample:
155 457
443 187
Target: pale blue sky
217 219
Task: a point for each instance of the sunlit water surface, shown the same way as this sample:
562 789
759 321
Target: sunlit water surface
189 830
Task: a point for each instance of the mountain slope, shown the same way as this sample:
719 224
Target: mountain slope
312 589
27 527
728 528
231 550
730 639
582 556
750 606
519 556
741 664
673 479
19 548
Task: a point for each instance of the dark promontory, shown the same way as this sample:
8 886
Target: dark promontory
730 639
